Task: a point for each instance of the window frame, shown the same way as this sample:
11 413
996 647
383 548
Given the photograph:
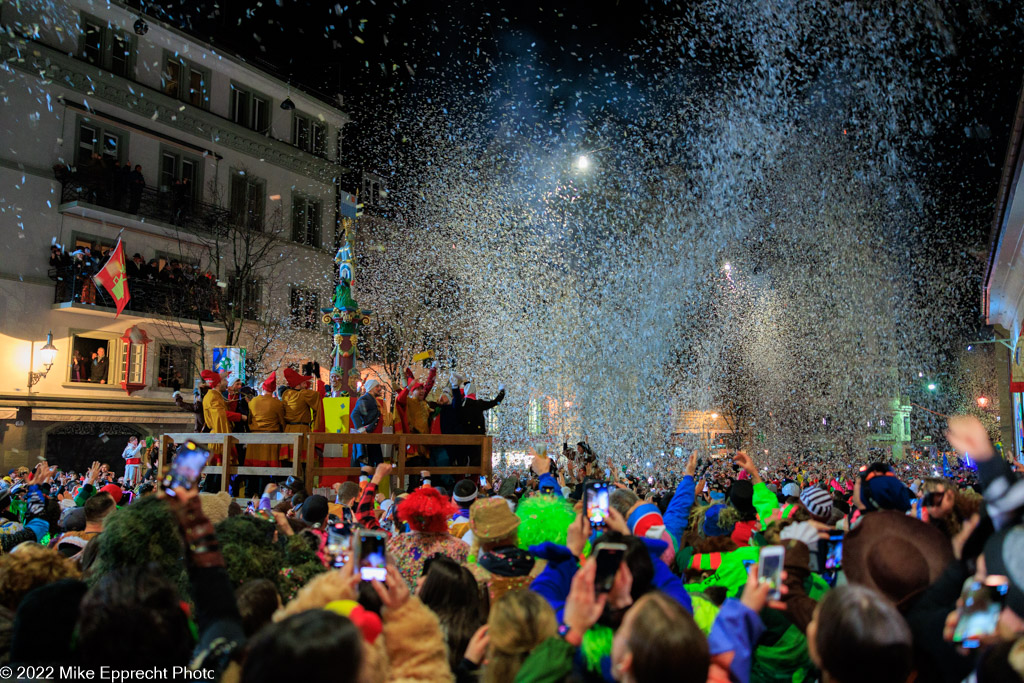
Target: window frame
184 80
189 381
181 157
261 183
305 318
114 351
250 114
311 122
108 32
250 309
308 201
102 129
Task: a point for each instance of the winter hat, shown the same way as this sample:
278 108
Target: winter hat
73 519
646 522
465 491
270 383
897 555
492 520
885 493
791 489
817 501
215 505
446 391
314 509
294 379
426 510
711 525
370 384
232 378
115 492
742 496
210 377
1004 555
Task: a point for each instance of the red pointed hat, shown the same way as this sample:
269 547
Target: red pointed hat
210 377
270 383
294 379
410 381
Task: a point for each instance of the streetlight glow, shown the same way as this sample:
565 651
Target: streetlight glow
727 267
932 387
982 401
583 162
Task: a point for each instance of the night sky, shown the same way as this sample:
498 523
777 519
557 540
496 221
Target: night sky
383 58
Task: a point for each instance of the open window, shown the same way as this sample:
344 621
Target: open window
91 358
134 359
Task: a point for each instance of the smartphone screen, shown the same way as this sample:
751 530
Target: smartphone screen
483 480
188 464
372 556
834 553
339 544
769 569
983 601
547 489
609 557
597 503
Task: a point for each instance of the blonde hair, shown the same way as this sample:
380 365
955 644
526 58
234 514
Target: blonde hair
519 621
322 589
30 567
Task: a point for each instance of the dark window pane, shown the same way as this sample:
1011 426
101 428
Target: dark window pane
93 43
195 91
120 54
86 143
172 78
240 107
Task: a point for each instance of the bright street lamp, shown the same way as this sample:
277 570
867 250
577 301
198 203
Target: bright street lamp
48 354
932 387
982 401
582 162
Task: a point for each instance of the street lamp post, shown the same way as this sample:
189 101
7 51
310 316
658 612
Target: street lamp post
47 354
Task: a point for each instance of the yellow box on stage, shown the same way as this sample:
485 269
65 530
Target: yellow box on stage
336 415
420 357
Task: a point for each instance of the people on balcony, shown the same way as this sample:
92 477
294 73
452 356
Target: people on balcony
173 288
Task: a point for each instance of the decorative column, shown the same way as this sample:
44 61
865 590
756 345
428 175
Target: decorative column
345 318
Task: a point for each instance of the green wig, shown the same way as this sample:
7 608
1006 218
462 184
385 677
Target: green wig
544 518
143 533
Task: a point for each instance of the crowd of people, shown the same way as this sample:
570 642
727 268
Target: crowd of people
167 287
881 573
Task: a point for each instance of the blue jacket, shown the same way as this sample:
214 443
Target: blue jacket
736 629
556 579
677 514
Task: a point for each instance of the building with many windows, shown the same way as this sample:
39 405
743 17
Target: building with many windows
1003 295
224 185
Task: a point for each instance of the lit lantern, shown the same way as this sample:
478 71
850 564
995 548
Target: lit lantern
133 359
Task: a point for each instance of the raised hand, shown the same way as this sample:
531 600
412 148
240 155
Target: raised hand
967 435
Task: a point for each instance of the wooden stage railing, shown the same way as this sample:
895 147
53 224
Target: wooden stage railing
311 467
401 441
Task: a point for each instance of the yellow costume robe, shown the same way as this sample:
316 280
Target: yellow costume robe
266 414
215 414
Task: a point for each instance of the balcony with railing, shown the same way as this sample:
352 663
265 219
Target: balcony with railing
175 294
109 191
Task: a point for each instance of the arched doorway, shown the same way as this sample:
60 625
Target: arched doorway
75 445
